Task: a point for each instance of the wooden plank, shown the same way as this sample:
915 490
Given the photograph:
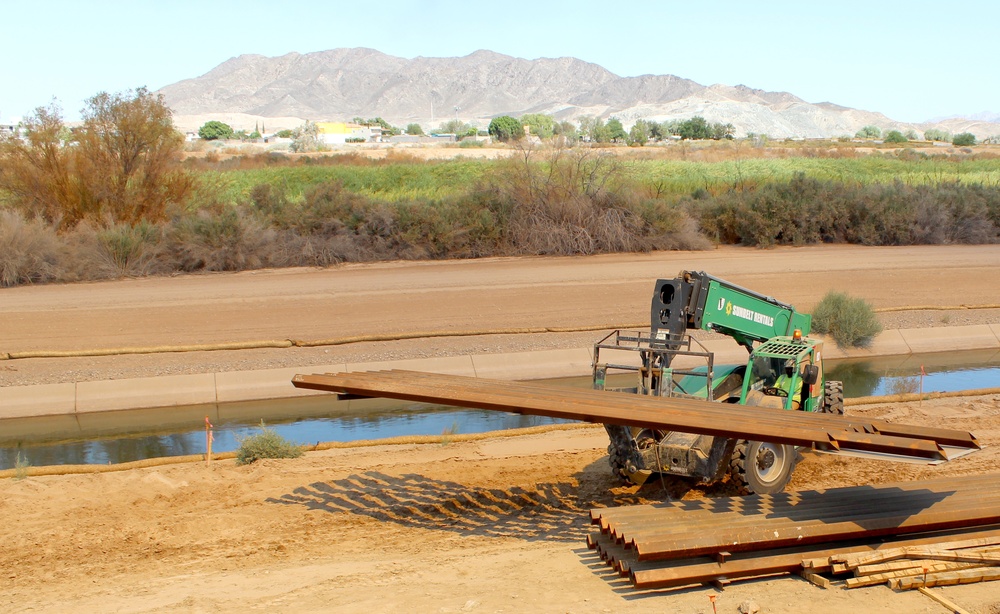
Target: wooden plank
943 601
815 578
965 576
913 572
891 554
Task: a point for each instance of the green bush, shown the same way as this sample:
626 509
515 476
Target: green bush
966 139
850 321
265 444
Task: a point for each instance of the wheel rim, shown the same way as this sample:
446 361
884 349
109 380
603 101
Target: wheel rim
769 462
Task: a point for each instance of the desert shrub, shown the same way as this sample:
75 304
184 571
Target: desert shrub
128 250
265 444
30 251
850 321
268 199
223 239
21 466
806 210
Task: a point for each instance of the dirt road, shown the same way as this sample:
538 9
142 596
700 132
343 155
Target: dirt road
405 297
493 525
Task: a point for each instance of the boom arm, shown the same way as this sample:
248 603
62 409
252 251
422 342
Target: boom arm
697 300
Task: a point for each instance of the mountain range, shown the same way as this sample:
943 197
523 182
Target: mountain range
340 84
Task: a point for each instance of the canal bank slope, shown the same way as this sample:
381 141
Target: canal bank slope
238 386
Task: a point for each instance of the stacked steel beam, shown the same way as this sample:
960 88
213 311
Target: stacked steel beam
823 432
718 540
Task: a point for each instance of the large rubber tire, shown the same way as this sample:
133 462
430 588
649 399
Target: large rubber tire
833 398
623 454
761 468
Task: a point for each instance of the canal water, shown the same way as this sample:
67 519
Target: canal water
122 436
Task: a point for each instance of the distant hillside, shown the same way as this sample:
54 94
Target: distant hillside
345 83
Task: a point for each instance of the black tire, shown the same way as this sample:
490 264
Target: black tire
833 398
623 455
761 468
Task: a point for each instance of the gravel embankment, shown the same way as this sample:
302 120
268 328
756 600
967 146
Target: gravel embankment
25 372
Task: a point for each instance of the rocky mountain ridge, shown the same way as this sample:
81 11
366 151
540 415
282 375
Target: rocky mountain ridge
343 83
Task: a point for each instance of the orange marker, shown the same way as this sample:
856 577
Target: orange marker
209 438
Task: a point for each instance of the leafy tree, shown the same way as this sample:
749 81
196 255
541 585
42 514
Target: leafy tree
869 132
565 129
895 136
911 135
306 138
599 132
639 134
670 127
453 126
129 158
722 131
414 129
694 128
937 135
965 139
122 166
616 131
36 171
213 130
506 128
587 127
285 134
542 126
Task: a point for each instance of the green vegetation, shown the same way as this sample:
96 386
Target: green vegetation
698 128
895 136
542 126
506 128
965 139
937 135
213 130
414 129
869 132
21 465
275 210
265 444
850 321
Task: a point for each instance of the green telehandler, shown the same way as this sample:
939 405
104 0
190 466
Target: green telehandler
784 370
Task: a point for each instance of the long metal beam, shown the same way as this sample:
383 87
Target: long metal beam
821 432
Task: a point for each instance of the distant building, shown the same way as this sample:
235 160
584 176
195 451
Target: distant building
7 128
338 133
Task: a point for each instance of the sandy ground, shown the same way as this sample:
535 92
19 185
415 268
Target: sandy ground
492 525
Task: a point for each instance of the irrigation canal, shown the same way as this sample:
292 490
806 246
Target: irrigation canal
122 436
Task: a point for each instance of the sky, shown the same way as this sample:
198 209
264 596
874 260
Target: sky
911 60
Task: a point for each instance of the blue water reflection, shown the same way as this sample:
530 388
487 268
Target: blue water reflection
115 437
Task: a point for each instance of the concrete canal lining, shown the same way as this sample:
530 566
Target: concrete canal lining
234 386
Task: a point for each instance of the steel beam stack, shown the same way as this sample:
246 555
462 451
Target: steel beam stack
823 432
673 544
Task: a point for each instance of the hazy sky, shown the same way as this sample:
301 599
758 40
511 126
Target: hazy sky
912 60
